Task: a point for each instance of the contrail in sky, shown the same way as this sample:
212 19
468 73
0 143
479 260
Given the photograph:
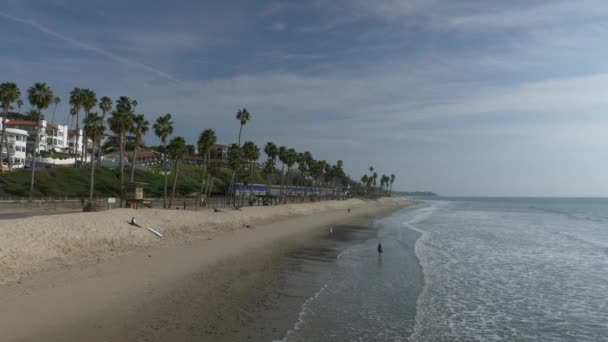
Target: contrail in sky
89 47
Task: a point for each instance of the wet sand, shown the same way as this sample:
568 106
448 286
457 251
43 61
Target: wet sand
213 290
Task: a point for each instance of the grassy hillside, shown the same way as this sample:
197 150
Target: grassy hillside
74 182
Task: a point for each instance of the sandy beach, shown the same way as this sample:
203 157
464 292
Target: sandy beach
92 276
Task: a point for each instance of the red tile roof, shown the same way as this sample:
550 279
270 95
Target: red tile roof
21 123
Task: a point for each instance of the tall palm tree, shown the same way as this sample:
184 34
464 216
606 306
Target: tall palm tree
163 128
290 160
283 159
89 101
317 170
301 161
339 177
76 100
120 123
177 150
205 142
56 101
40 97
19 105
268 170
326 172
105 104
310 161
251 152
390 192
140 128
374 178
271 151
364 181
243 117
9 93
94 127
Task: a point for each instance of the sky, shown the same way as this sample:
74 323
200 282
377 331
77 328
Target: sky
468 97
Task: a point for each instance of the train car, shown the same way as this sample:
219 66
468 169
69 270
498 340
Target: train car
275 190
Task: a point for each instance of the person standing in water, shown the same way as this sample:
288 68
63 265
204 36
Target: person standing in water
380 248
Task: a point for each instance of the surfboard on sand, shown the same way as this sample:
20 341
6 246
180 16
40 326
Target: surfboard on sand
133 223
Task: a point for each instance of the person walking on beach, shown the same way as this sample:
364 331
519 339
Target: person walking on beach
380 248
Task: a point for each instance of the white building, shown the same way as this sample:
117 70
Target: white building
17 142
53 138
56 138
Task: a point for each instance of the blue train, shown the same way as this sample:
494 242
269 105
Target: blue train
275 190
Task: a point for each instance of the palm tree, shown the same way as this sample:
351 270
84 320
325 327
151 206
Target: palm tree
120 123
251 152
19 105
190 150
339 177
76 100
290 160
390 192
177 150
317 173
9 93
301 160
40 97
271 151
140 128
94 128
374 178
163 128
364 181
326 172
205 141
243 116
56 101
89 100
268 171
283 159
310 165
105 104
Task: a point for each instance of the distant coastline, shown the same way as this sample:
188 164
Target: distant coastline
417 193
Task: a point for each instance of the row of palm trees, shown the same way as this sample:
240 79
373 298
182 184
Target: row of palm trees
40 96
298 168
369 182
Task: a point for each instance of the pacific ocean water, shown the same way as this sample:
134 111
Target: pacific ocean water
469 269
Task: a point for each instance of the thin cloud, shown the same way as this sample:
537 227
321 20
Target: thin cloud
278 27
89 47
273 9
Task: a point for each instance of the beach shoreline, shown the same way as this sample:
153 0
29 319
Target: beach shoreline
81 298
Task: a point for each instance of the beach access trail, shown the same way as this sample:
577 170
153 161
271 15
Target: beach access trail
76 276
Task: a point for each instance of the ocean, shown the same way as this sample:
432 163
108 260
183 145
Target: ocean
466 269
